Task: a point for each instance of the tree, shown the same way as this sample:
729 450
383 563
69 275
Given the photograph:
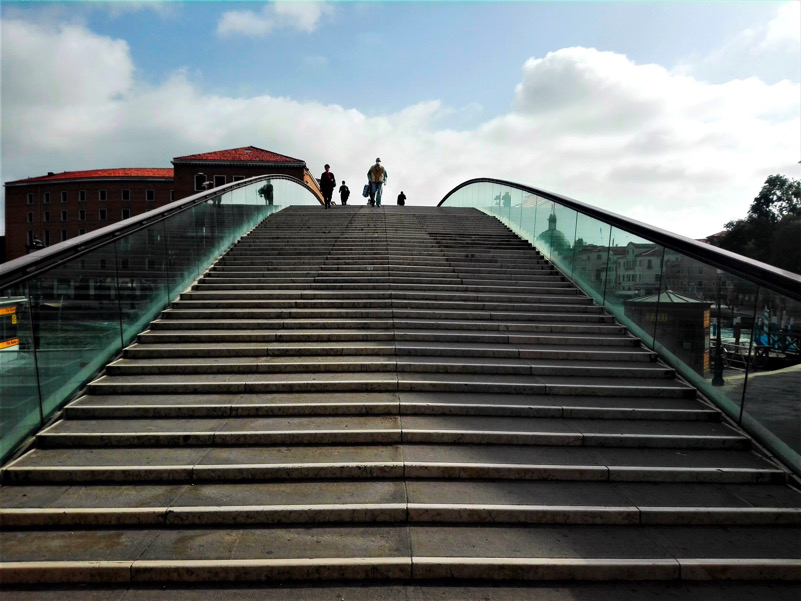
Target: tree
770 231
779 198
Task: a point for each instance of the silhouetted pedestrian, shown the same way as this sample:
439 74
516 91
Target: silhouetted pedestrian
327 184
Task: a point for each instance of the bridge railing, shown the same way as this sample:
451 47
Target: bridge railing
66 310
727 324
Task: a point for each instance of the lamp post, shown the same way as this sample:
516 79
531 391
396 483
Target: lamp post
717 373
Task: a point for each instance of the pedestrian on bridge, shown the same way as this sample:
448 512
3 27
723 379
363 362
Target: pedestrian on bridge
344 193
377 176
327 184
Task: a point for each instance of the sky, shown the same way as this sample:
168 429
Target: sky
672 113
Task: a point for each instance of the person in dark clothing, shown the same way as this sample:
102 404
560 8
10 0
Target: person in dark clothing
327 184
401 199
344 193
266 192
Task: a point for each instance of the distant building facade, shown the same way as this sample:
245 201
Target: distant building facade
46 210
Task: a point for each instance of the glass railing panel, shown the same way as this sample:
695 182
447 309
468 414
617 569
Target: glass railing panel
528 215
143 281
632 282
19 390
591 256
771 406
75 309
560 232
182 259
543 237
670 301
704 327
287 193
80 314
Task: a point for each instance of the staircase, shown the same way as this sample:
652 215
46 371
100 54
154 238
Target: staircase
397 400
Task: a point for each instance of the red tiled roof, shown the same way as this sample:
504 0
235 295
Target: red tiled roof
100 173
246 154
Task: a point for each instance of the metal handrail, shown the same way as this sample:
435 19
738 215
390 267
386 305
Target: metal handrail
778 280
20 269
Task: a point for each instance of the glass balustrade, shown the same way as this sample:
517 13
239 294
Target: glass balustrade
727 324
63 323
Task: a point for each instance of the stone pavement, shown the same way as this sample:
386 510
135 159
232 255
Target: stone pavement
410 398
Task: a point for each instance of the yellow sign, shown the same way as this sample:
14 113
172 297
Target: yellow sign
7 343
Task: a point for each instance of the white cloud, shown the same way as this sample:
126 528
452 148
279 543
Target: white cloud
783 32
638 140
772 48
300 16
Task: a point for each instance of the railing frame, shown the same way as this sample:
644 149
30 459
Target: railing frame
762 275
18 270
18 273
778 280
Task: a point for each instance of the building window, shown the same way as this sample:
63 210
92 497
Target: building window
46 217
102 196
46 198
63 197
102 215
30 198
219 180
47 237
63 235
63 215
200 179
237 178
126 213
81 214
172 195
150 195
126 195
81 195
81 232
29 238
30 217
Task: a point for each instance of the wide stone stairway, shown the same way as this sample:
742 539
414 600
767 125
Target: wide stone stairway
393 403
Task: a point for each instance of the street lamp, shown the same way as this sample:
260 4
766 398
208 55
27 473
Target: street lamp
717 373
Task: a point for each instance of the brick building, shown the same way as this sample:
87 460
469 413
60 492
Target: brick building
60 206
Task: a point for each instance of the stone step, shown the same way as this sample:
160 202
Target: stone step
419 513
384 551
391 396
407 403
392 430
198 464
157 350
386 382
543 311
388 364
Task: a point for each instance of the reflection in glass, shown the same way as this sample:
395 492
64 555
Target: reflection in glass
66 323
19 390
76 323
737 343
771 406
591 256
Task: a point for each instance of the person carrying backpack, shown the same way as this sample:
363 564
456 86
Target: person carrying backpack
344 193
